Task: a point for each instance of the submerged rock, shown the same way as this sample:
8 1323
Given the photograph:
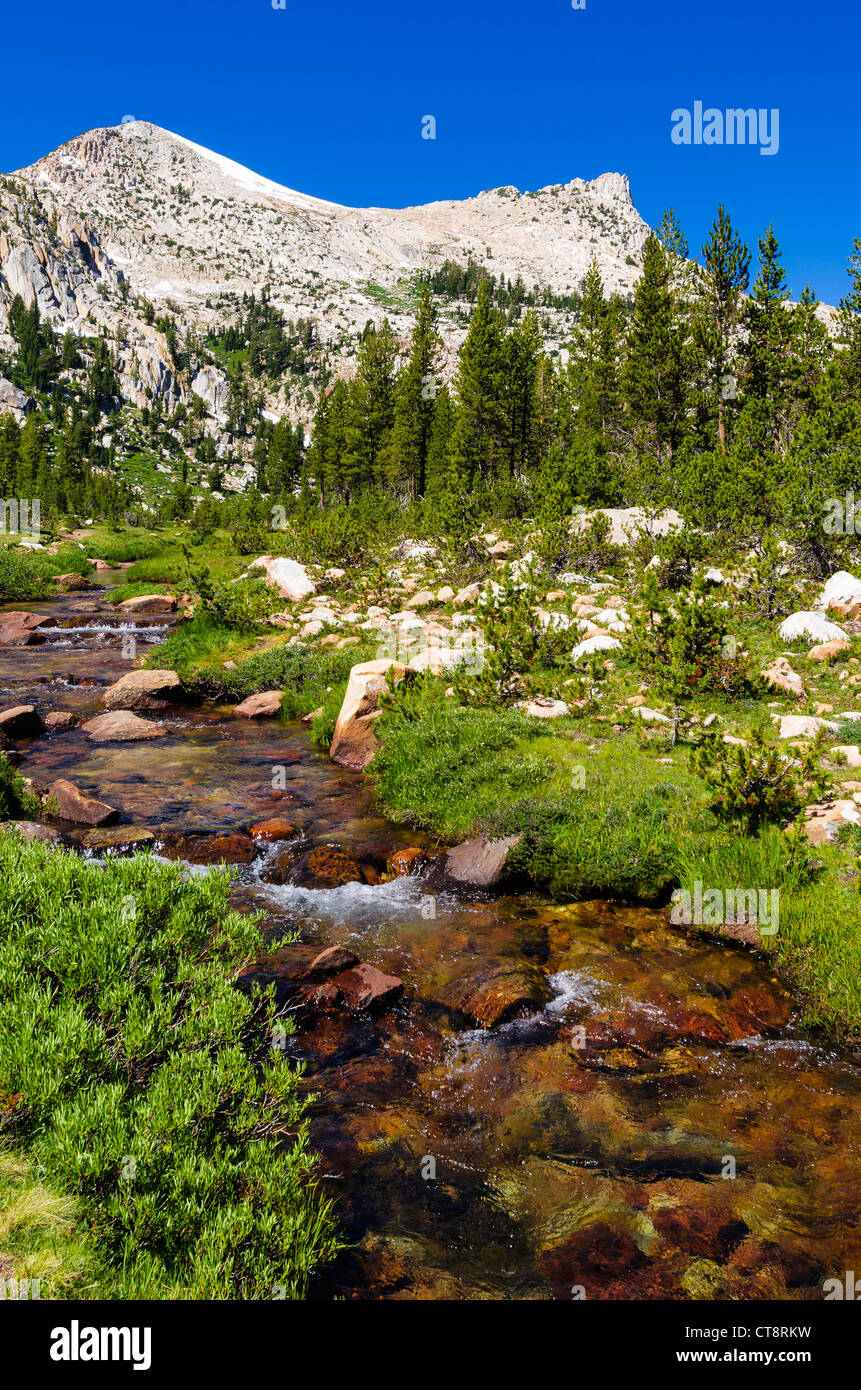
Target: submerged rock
606 1263
227 848
276 828
121 726
496 992
119 837
406 861
327 866
364 988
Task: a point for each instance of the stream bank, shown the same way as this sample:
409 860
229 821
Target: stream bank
652 1122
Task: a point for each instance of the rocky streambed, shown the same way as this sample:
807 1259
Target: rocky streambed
514 1099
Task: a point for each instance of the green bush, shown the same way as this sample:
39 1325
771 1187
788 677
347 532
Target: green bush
16 803
681 646
757 781
140 1080
240 605
25 577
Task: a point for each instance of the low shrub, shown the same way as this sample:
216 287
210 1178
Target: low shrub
16 803
140 1080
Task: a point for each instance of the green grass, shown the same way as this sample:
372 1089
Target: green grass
609 819
818 944
594 821
136 590
451 769
168 568
43 1233
309 676
30 575
120 549
197 649
140 1082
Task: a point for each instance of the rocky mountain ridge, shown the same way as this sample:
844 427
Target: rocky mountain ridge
132 216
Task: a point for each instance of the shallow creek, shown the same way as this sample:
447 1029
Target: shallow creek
590 1143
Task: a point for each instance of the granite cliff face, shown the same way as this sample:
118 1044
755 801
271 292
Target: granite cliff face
133 213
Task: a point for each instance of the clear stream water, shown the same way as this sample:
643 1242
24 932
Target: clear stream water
657 1126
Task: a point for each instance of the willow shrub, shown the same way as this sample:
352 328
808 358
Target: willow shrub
141 1082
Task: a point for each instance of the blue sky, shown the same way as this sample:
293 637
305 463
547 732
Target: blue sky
327 96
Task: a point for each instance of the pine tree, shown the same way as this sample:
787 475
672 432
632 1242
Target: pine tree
10 440
810 351
439 446
653 376
850 324
726 277
593 367
769 327
370 413
323 471
478 437
415 399
284 460
521 356
678 643
682 273
31 456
